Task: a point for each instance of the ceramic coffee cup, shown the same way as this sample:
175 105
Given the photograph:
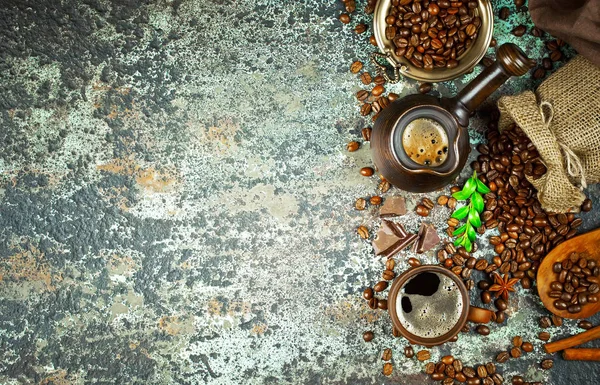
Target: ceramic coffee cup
431 318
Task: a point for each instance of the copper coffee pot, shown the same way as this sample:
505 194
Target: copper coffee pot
420 143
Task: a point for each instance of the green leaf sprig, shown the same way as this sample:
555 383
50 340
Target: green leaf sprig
472 190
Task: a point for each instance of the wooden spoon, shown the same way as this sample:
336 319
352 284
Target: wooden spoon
588 243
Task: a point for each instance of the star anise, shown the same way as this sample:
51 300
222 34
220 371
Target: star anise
502 286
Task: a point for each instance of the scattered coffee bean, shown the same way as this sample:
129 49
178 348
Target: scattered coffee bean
544 336
345 18
363 232
388 369
482 371
356 66
368 336
366 133
367 171
429 368
422 210
517 380
504 13
586 206
413 262
360 28
360 204
502 357
545 322
352 146
517 341
386 355
427 203
556 320
390 264
547 364
423 355
424 88
442 200
483 330
409 352
584 324
365 78
527 347
519 30
380 286
368 293
515 352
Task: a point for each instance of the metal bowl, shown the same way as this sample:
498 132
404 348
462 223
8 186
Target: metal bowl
467 61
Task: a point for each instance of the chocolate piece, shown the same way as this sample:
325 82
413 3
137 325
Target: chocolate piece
428 238
400 245
388 234
393 207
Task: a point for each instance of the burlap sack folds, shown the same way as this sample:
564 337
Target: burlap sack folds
562 119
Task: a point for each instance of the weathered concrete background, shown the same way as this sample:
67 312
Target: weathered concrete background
176 201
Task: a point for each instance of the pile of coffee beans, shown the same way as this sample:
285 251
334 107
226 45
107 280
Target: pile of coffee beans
449 370
527 232
432 33
577 283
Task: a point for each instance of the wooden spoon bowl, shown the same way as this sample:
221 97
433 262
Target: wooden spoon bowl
588 243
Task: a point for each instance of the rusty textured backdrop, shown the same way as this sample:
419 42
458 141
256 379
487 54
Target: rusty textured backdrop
176 200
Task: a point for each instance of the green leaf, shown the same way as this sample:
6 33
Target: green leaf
470 185
471 233
477 202
461 213
474 218
459 231
468 245
482 188
461 195
459 241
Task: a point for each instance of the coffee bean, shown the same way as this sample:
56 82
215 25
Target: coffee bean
388 369
545 322
422 210
501 304
502 357
584 324
365 78
360 204
365 109
517 341
356 66
452 202
440 367
429 368
437 376
586 206
386 355
547 364
345 18
368 293
473 381
360 28
527 347
367 171
517 380
486 297
380 286
368 336
377 90
556 55
515 352
482 371
504 13
388 275
483 330
469 372
384 186
352 146
519 30
423 355
375 200
373 303
424 88
556 320
427 203
539 73
544 336
409 352
413 262
363 232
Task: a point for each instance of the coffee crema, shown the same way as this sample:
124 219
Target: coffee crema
425 142
429 305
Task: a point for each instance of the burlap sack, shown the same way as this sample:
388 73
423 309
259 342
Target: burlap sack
562 119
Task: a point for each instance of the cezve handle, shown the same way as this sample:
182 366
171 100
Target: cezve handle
479 315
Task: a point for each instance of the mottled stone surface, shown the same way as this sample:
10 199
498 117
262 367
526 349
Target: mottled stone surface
176 201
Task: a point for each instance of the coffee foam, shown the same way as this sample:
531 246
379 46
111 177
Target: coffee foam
425 141
433 315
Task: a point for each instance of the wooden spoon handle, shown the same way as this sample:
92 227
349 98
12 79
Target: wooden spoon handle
575 340
581 354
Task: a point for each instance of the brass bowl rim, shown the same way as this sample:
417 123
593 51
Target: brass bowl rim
468 60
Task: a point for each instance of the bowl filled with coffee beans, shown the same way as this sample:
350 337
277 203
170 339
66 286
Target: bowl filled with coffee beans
432 40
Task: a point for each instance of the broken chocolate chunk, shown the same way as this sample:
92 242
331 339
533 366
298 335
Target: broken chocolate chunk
428 238
393 207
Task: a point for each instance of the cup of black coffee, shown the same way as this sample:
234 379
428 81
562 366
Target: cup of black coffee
429 305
